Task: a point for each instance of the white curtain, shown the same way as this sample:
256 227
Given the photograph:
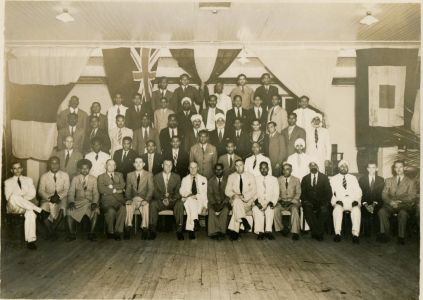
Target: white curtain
304 71
47 65
205 59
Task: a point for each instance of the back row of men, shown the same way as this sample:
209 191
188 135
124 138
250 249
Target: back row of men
243 117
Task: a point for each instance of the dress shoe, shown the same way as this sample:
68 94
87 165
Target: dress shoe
318 237
126 234
221 236
295 237
144 234
118 236
401 241
31 246
180 235
355 239
44 214
382 238
337 238
285 232
197 226
247 226
152 235
70 238
269 236
110 236
215 236
233 236
191 235
260 236
92 237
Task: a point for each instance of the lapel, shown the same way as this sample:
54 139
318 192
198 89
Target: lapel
162 183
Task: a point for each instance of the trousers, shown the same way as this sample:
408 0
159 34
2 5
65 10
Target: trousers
217 223
144 211
384 215
262 219
193 207
315 217
338 213
17 204
115 217
295 217
239 211
157 206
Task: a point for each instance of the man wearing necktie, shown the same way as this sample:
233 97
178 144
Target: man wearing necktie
153 159
244 91
96 112
228 159
346 197
115 110
97 157
258 112
318 143
185 90
53 190
204 154
220 135
73 108
266 90
118 133
138 194
144 134
72 130
399 196
135 111
95 131
125 157
68 157
163 92
252 163
20 195
161 115
278 114
194 196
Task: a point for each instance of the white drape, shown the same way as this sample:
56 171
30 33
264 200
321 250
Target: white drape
205 59
304 71
47 65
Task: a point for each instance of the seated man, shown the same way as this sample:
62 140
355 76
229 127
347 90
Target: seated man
267 197
399 196
53 190
138 194
83 200
218 204
299 160
316 194
252 163
194 195
241 190
228 160
111 186
125 157
166 197
20 196
346 197
289 200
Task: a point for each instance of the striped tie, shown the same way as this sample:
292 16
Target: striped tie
344 182
120 135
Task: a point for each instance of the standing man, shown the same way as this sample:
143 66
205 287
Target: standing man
135 112
218 204
210 112
125 157
318 144
163 92
118 133
242 192
277 114
241 138
267 197
96 112
72 109
153 160
289 200
193 133
266 91
316 194
53 190
161 115
243 90
69 157
299 160
20 195
71 130
275 148
237 112
185 114
166 134
186 90
97 158
258 112
166 197
111 186
94 131
252 163
116 109
138 193
228 160
194 195
346 196
204 154
399 196
178 156
220 136
224 102
143 134
305 115
292 133
372 187
83 200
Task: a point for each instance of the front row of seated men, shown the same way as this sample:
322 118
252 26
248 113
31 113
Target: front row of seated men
262 196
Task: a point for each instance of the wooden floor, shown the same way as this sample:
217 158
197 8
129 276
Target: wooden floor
207 269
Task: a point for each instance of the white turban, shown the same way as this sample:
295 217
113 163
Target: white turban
299 141
186 99
196 117
220 116
343 162
317 115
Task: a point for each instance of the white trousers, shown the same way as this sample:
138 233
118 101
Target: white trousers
17 204
239 211
338 213
193 207
262 219
144 211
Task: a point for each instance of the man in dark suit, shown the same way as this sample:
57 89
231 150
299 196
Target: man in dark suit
153 160
170 131
69 158
135 112
186 90
292 133
220 136
184 114
72 109
258 112
178 156
237 112
372 186
266 91
73 130
316 194
143 134
241 139
125 157
166 197
228 159
209 114
192 134
96 112
163 92
95 131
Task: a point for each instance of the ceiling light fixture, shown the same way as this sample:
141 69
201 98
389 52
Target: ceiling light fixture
368 19
65 16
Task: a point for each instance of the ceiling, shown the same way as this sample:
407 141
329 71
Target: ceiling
165 22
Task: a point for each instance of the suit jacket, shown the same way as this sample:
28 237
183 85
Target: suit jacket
201 183
102 121
370 195
114 137
324 148
275 148
47 187
156 96
205 160
78 138
100 134
346 195
190 139
279 116
71 167
263 118
220 145
205 114
215 194
247 95
249 189
406 191
139 143
297 133
242 144
165 138
145 188
160 118
157 162
62 119
180 166
184 122
11 187
293 192
267 189
231 116
77 193
127 165
106 186
224 160
266 95
133 118
319 195
173 186
190 92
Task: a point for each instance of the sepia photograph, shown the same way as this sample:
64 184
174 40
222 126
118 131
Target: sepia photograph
210 149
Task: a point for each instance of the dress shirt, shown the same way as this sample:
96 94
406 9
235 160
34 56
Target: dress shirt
112 113
211 125
255 169
99 164
224 102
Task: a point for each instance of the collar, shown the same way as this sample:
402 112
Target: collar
112 173
75 110
69 150
138 173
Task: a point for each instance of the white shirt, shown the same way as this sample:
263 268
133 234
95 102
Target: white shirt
267 189
114 137
347 196
299 164
290 129
175 131
224 102
73 110
72 129
320 151
257 110
112 113
255 169
304 118
211 125
99 165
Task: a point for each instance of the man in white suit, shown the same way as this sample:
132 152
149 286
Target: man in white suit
20 196
242 192
299 160
346 196
194 195
252 163
305 115
267 197
318 143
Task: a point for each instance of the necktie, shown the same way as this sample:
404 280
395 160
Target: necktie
111 177
19 183
255 162
120 136
399 181
259 114
241 184
175 158
55 180
314 180
173 132
237 134
96 156
286 183
66 159
231 161
138 180
150 163
54 177
344 182
124 155
72 131
271 114
163 93
219 184
372 183
316 136
194 187
166 182
84 183
220 135
238 113
203 148
145 133
118 111
92 134
242 89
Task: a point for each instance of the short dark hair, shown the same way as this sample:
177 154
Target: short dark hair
372 162
271 122
120 116
52 158
240 75
398 161
184 75
15 162
219 165
137 94
84 162
304 97
150 141
264 74
214 96
293 114
96 139
203 131
171 116
127 138
264 163
238 96
287 164
237 160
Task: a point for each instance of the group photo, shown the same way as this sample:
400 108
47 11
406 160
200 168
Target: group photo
211 150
